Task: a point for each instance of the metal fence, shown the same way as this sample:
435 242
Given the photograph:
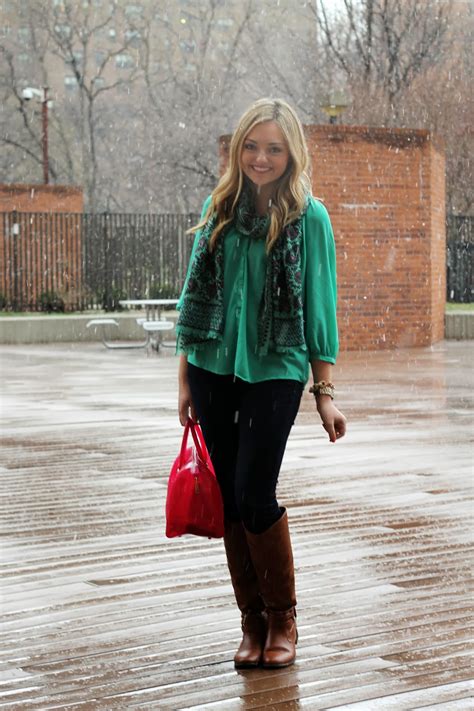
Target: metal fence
459 272
460 228
69 262
459 258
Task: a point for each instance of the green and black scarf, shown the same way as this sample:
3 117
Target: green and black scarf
280 317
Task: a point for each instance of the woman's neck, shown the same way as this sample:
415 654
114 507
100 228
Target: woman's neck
262 196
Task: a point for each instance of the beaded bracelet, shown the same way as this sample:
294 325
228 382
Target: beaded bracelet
323 387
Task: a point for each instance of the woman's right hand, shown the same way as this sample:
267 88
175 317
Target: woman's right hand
185 404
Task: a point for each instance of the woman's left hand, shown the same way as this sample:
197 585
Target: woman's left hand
334 421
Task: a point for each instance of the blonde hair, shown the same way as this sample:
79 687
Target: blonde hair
293 186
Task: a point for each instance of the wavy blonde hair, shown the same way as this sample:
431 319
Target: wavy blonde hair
293 187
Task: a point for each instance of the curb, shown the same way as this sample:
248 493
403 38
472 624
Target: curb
73 328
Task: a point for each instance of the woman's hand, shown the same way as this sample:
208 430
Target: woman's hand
185 403
334 421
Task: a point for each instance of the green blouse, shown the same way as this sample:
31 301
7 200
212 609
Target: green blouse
245 262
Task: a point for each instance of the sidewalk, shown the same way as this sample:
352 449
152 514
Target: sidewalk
101 611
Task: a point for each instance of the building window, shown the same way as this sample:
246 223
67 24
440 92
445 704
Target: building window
100 57
112 34
133 10
70 82
225 22
24 34
188 46
23 57
124 61
133 38
5 30
77 57
98 82
63 31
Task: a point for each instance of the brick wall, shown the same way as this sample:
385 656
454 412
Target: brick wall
384 190
438 243
40 198
39 255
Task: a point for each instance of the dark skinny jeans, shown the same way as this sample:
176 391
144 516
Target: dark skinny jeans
246 427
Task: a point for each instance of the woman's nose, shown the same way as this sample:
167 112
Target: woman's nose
261 157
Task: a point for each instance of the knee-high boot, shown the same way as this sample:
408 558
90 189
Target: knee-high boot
245 584
272 558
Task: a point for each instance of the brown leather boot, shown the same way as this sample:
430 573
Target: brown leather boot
245 584
273 562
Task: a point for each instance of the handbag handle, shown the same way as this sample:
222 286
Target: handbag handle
196 431
198 438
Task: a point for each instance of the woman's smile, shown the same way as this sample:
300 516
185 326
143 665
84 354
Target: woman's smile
265 153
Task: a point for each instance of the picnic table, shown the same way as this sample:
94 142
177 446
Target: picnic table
152 307
152 323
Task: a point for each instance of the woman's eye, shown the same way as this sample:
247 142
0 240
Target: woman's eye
249 146
275 149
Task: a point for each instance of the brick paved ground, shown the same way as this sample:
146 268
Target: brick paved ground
101 611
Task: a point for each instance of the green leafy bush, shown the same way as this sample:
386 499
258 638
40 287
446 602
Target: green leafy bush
162 291
110 298
50 302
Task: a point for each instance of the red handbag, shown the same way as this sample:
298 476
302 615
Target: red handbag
194 500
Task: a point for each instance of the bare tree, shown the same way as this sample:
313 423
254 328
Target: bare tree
151 85
407 63
69 35
191 66
384 44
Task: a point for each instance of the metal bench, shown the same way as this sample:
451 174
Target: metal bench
155 327
104 324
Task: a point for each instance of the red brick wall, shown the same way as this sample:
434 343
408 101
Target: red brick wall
438 243
384 190
40 198
40 253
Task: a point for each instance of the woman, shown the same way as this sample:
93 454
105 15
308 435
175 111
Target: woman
258 307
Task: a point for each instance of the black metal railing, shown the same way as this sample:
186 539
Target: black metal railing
459 258
68 262
459 271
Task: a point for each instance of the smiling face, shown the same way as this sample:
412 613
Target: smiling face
265 154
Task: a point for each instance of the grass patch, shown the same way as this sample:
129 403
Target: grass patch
459 307
35 314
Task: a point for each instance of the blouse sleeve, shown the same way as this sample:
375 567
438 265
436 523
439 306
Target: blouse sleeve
320 286
193 252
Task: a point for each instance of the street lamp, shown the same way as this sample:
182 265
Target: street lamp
334 104
41 94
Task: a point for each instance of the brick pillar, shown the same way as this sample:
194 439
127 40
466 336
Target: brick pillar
385 192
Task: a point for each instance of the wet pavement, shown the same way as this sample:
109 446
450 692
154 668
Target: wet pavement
101 611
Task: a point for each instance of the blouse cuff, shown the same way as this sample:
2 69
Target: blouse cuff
320 356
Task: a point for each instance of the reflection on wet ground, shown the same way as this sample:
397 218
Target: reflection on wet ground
101 611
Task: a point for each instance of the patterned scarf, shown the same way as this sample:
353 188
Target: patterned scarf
280 316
